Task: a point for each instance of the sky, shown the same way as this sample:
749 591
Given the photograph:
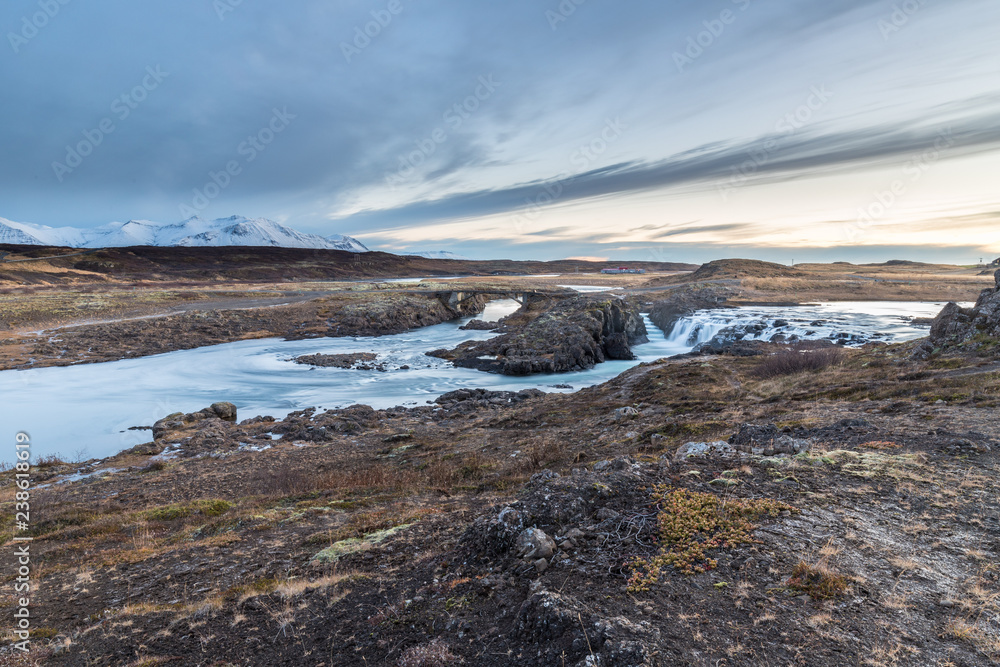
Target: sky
658 130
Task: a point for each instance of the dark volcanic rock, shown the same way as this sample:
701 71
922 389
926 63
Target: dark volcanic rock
765 440
306 425
471 400
974 327
355 360
178 420
741 339
575 334
480 325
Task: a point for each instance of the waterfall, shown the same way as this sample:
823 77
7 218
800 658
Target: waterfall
851 324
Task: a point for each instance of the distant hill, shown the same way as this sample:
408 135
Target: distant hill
731 269
901 262
744 268
21 264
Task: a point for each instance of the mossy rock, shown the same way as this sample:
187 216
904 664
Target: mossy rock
338 550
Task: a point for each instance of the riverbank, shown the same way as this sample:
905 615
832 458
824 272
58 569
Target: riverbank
348 313
98 405
355 537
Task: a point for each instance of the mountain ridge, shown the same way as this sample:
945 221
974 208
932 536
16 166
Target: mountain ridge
236 230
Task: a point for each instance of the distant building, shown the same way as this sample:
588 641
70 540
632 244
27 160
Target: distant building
622 269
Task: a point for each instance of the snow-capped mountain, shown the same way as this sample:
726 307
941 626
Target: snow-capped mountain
341 242
193 232
22 233
437 254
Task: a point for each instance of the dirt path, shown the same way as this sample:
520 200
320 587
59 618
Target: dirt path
4 260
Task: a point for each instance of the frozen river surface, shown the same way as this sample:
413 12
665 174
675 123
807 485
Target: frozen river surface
89 408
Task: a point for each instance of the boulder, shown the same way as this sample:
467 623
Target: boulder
224 411
703 449
533 544
626 413
179 420
169 423
753 435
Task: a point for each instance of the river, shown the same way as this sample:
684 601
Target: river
86 410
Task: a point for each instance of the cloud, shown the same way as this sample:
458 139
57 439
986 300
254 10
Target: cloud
357 121
801 156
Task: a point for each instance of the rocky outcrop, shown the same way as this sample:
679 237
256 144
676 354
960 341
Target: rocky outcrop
364 314
742 339
179 420
307 426
766 440
480 325
575 334
356 360
473 400
752 439
388 315
568 524
975 328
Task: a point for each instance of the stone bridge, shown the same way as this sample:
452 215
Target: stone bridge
454 298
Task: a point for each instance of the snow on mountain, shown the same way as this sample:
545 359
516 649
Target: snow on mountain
122 234
437 254
12 232
22 233
347 243
193 232
239 231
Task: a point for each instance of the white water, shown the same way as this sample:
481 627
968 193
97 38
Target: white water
588 288
416 280
91 406
874 320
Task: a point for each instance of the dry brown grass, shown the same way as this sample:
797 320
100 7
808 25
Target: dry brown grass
432 654
294 587
818 580
792 361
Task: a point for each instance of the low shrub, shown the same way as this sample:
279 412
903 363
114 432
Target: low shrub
691 524
211 508
819 581
792 361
